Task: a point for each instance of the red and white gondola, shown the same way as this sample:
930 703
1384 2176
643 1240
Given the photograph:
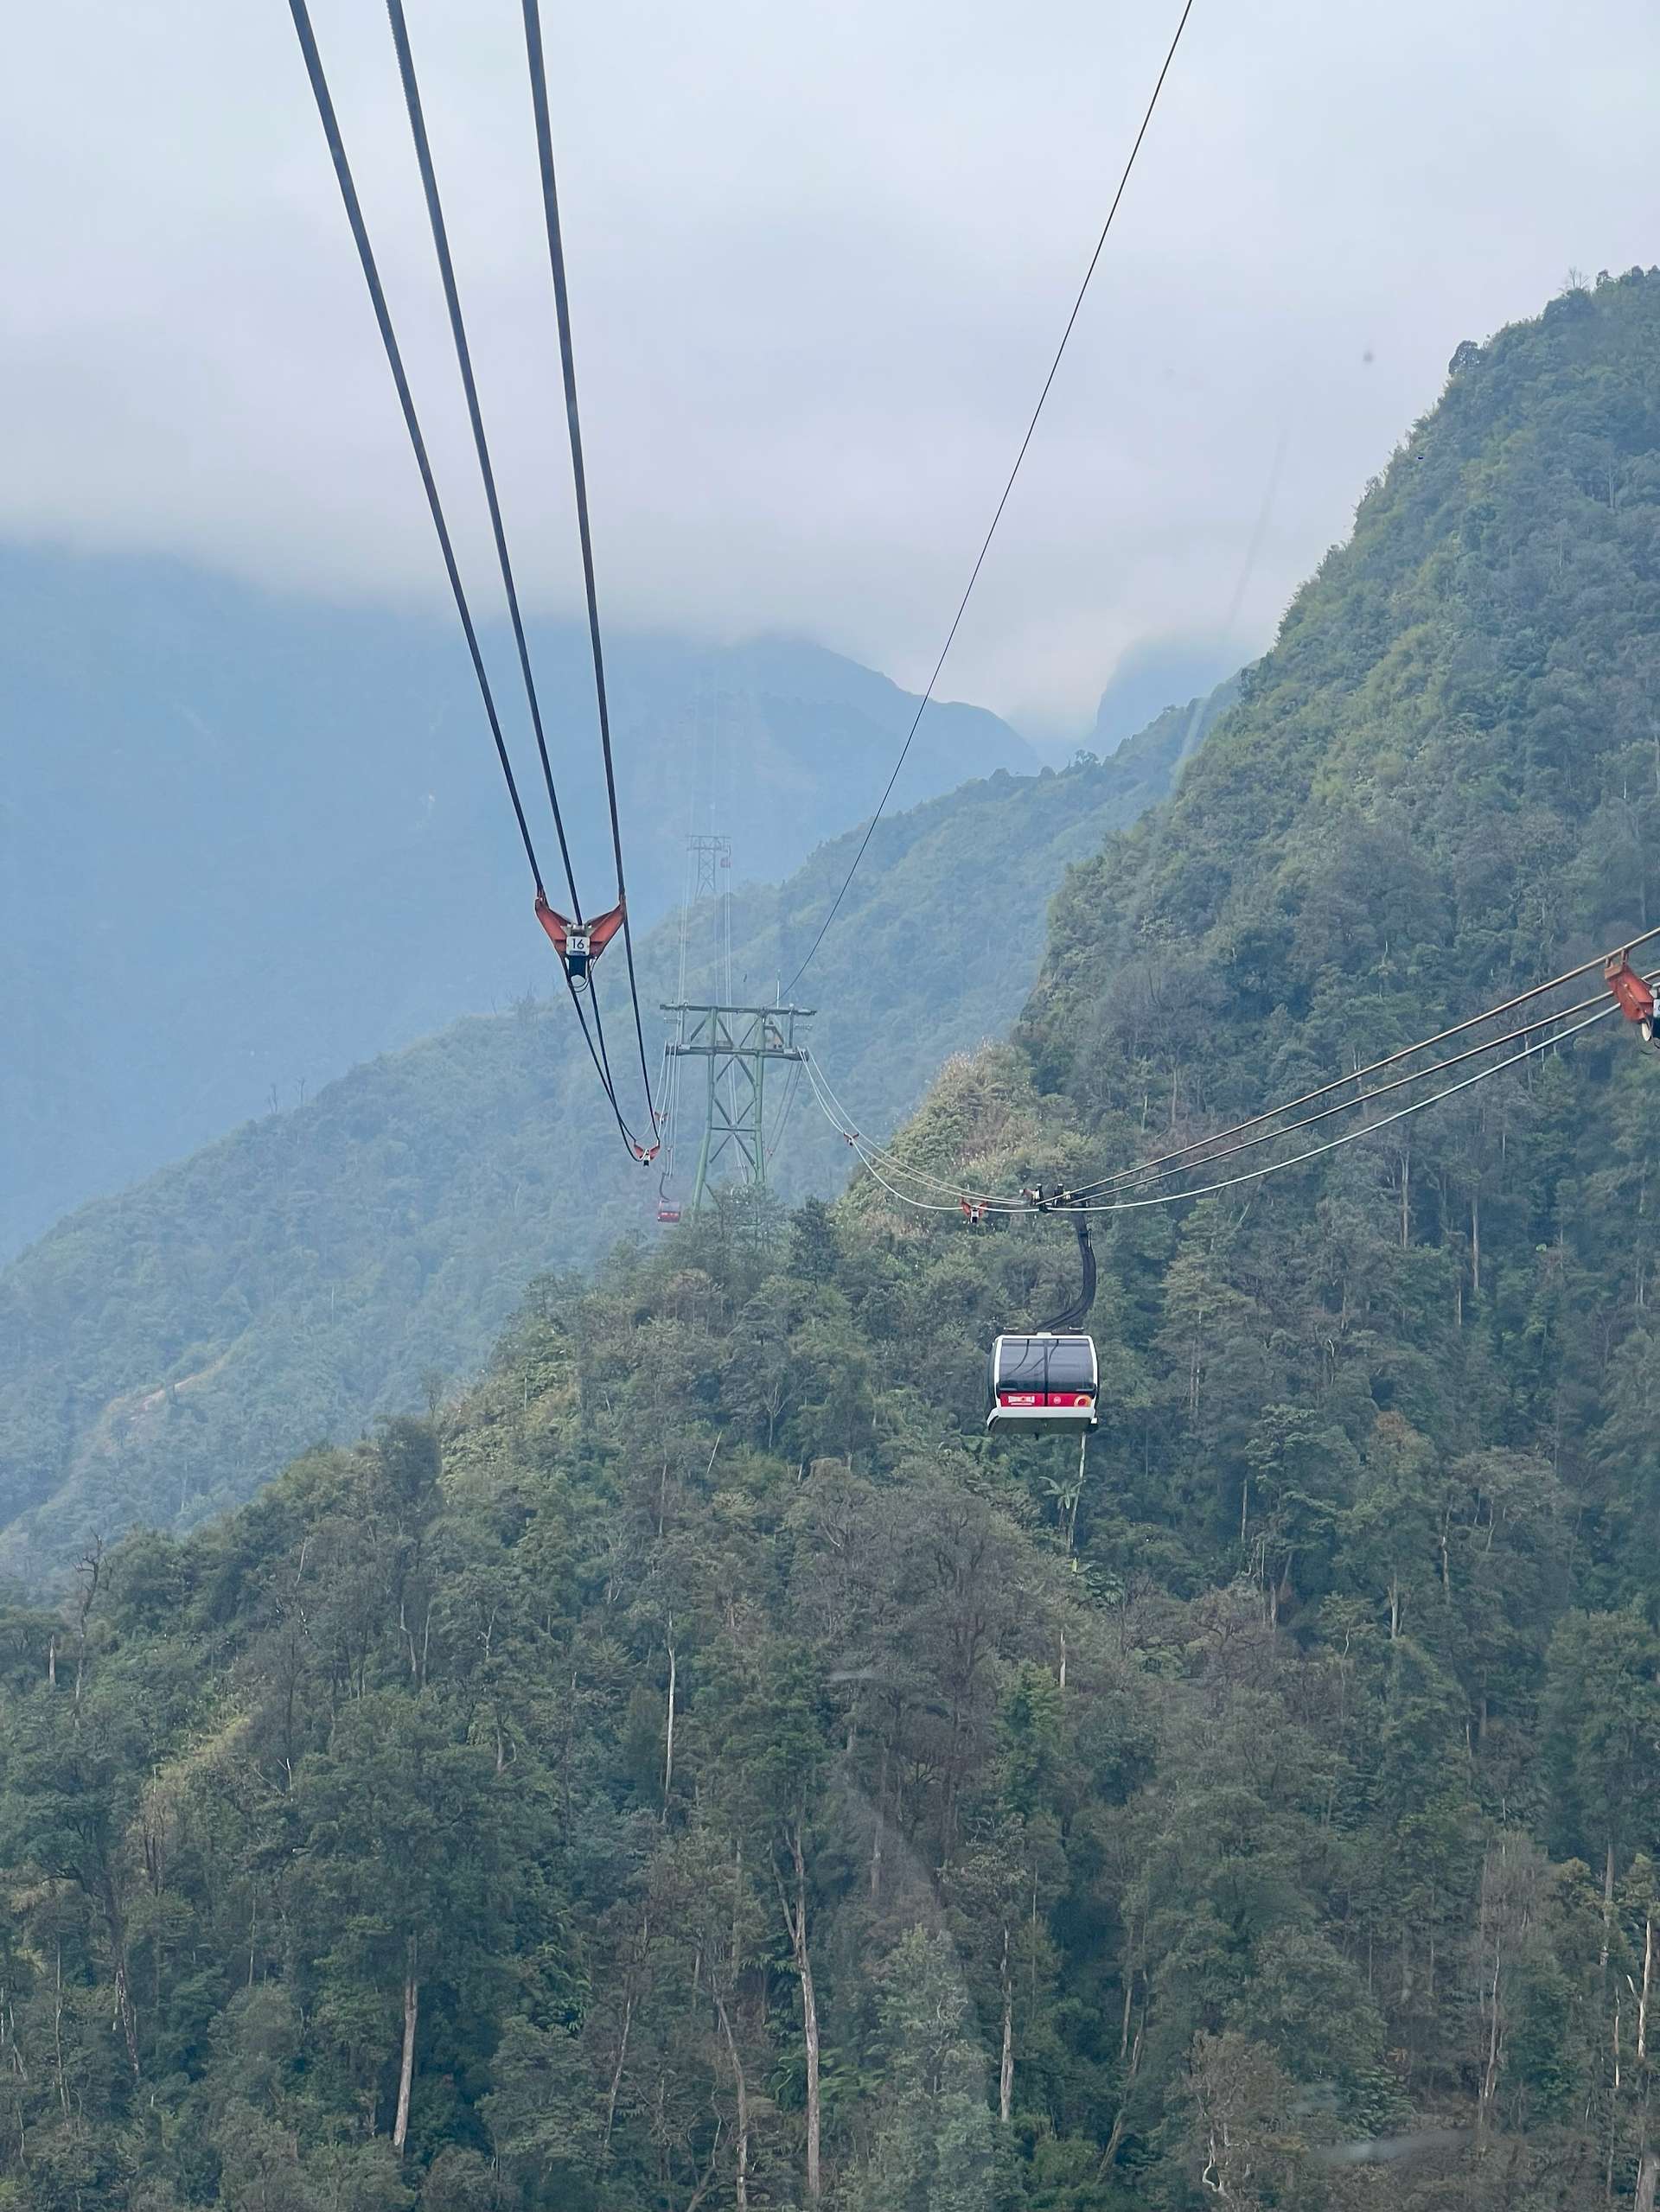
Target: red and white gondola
1044 1382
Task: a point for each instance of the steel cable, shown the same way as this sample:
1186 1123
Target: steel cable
986 546
1152 1171
331 131
1392 1059
411 423
1250 1174
474 413
579 479
1197 1152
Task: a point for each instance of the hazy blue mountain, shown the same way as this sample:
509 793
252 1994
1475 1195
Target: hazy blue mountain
1148 678
247 841
163 1353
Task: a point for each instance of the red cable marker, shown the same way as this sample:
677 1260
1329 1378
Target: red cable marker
579 944
1635 999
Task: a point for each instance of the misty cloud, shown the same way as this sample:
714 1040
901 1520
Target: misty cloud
820 259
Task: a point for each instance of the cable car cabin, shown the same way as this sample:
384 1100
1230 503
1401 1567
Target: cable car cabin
667 1213
1044 1383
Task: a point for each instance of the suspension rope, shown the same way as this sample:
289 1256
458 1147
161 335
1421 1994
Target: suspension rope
1148 1172
1353 1136
1141 1177
337 144
604 1056
411 423
598 1049
985 546
1405 1052
475 414
600 1057
1199 1153
790 1090
1249 1174
579 479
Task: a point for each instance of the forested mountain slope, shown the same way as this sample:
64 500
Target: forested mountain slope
1407 1394
163 1353
698 1769
249 841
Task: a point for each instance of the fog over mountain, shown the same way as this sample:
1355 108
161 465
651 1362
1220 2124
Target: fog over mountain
247 840
819 260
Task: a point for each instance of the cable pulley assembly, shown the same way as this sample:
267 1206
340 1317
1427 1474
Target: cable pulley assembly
578 944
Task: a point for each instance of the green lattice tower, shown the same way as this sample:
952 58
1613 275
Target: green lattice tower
738 1044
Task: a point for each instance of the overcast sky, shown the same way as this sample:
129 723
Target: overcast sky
820 255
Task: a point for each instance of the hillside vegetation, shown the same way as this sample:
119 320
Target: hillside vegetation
163 1353
697 1767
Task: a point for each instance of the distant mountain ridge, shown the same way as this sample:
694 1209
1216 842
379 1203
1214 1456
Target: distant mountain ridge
1148 678
247 841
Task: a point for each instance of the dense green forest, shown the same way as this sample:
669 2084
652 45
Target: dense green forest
163 1353
695 1767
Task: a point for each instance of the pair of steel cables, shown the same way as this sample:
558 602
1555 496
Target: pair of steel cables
643 1149
595 1042
1134 1187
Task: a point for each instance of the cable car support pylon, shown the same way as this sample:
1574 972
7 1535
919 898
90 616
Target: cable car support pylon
736 1044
